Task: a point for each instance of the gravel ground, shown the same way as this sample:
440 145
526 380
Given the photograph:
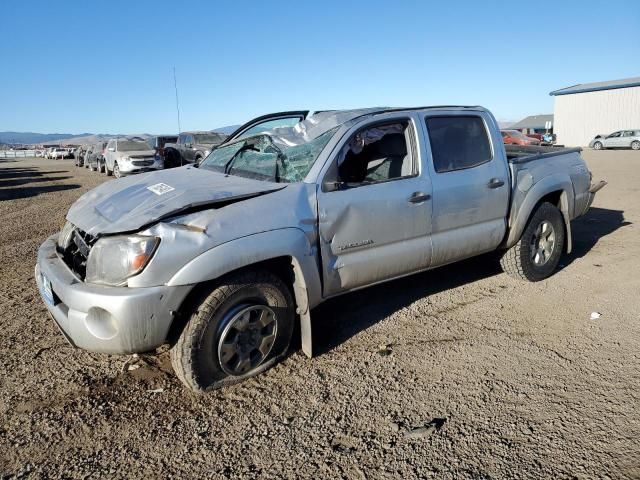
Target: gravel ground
510 379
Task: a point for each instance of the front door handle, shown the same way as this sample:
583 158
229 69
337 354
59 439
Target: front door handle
418 197
495 183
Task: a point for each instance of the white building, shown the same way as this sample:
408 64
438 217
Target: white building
583 111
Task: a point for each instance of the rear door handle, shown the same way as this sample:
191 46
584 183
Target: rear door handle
418 197
495 183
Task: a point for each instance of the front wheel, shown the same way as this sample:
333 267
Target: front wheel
635 145
240 329
116 170
597 146
537 253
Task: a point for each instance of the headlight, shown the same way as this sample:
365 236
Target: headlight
114 259
64 237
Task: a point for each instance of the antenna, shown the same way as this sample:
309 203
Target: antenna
175 84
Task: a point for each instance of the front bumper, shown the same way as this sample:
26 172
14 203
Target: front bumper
128 168
102 318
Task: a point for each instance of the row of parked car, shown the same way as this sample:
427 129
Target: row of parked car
516 137
129 155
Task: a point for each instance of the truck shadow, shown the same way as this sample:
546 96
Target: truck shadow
590 228
339 319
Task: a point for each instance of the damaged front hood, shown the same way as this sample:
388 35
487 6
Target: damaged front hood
130 203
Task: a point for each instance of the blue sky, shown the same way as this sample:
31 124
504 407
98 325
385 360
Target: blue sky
107 66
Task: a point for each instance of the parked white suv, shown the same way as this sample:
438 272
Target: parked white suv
124 156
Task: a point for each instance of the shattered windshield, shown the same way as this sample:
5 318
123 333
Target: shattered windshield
260 157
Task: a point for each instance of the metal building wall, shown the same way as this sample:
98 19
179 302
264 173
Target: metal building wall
578 117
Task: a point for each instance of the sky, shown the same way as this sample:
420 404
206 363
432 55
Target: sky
107 66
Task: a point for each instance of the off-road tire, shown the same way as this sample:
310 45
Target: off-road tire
635 145
194 356
517 261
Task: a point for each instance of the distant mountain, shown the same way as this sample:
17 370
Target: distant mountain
226 130
30 137
80 138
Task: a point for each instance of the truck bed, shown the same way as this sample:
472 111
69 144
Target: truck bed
523 154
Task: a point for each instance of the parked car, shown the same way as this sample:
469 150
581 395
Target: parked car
620 139
221 260
79 155
124 156
60 153
94 158
158 142
537 136
514 137
191 147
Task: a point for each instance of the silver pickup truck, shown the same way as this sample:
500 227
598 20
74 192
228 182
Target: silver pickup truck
221 261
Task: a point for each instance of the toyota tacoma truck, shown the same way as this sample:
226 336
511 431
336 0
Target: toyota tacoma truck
221 260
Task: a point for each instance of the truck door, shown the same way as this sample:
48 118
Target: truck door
374 207
470 178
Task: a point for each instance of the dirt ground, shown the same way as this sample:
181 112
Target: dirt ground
517 379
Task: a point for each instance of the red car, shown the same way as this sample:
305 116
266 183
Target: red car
514 137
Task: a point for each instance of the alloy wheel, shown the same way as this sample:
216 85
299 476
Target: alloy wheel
246 341
543 243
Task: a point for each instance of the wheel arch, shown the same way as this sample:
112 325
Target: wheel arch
286 253
558 192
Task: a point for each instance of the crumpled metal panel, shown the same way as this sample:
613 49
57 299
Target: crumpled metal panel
130 203
315 125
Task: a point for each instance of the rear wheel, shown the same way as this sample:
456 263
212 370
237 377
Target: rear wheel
537 253
240 329
597 146
635 145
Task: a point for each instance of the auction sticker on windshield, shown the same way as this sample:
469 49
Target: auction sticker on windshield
160 188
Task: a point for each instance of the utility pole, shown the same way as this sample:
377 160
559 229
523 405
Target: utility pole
175 84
